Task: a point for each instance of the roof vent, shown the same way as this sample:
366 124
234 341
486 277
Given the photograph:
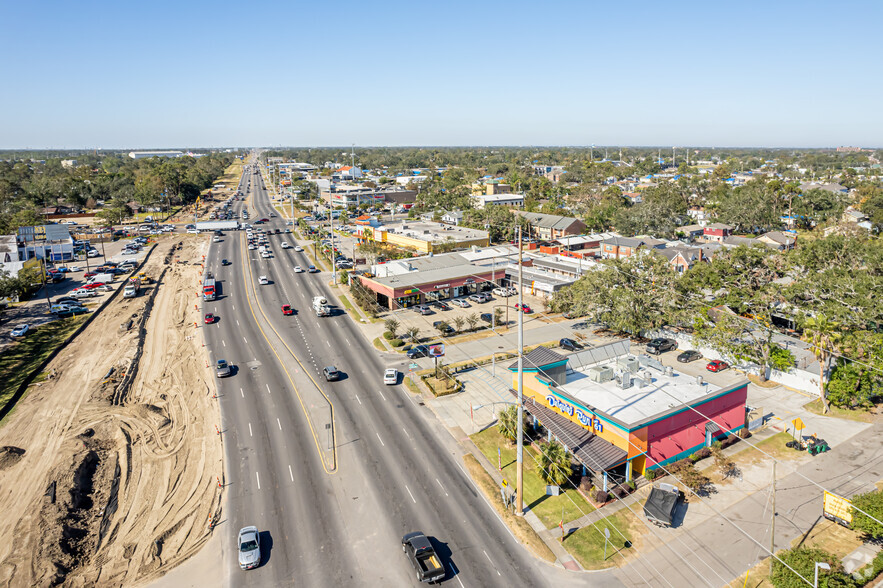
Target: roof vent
699 380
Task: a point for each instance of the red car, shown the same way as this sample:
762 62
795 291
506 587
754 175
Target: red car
209 318
717 365
527 309
286 309
89 274
92 286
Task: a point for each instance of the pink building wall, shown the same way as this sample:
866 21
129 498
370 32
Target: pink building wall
680 435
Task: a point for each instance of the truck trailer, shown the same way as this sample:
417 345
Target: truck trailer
218 225
320 306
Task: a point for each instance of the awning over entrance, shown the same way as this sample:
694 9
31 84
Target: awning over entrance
592 451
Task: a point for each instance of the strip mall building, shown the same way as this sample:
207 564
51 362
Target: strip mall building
621 414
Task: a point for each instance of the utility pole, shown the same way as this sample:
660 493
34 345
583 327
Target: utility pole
773 524
519 483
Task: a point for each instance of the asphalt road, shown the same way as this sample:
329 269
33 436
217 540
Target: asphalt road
336 517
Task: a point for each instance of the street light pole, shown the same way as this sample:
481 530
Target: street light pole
519 484
822 565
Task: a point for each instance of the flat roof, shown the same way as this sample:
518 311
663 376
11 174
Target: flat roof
491 197
647 398
435 232
432 276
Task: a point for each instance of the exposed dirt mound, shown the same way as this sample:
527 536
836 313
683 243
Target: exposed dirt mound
9 456
118 482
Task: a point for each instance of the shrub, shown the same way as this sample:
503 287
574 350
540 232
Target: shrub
396 343
717 444
744 433
631 484
599 496
702 454
388 336
585 485
802 560
620 492
651 475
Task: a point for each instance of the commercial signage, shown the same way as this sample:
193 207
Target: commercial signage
442 286
838 509
437 350
587 420
412 291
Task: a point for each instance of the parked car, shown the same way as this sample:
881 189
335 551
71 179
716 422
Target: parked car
717 365
391 377
223 369
423 309
287 310
569 344
487 317
481 297
688 356
502 292
332 374
445 329
661 345
441 305
526 307
418 351
21 330
460 302
249 543
89 275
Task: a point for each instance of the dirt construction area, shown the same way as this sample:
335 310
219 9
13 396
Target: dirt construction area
109 466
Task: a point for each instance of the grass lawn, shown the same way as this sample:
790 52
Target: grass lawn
17 361
379 344
346 303
860 415
411 385
548 508
774 446
520 527
587 544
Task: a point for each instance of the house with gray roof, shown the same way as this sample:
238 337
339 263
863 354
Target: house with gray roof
548 227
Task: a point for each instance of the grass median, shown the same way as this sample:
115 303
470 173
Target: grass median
519 527
19 360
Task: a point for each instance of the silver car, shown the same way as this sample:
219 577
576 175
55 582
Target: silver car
223 369
249 548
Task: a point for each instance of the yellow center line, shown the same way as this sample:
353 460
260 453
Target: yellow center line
281 363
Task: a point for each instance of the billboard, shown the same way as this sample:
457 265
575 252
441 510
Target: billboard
838 509
437 350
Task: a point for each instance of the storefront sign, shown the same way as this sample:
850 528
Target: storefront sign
441 286
587 420
412 291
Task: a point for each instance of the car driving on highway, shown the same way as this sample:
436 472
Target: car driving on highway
249 548
222 368
391 377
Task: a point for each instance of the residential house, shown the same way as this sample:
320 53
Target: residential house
633 197
828 187
479 201
717 232
548 227
454 217
619 247
732 241
691 232
680 257
347 172
778 240
851 215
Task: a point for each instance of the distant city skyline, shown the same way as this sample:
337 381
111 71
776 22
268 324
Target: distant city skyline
217 75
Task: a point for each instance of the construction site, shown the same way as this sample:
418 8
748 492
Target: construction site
111 467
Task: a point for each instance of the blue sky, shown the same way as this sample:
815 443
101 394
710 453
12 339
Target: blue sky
179 74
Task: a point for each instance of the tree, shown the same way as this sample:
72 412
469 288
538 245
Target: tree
803 561
459 322
498 316
392 325
443 327
555 463
507 422
871 503
823 335
413 333
472 320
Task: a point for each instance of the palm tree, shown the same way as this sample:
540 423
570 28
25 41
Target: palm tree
555 463
507 422
823 335
459 321
392 325
413 333
472 320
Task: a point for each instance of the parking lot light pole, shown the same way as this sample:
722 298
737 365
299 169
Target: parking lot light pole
519 484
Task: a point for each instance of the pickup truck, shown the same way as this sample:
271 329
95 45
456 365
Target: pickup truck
423 557
661 504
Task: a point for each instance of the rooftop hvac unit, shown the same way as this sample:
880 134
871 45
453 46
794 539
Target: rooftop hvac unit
669 371
600 374
628 364
699 380
640 382
645 375
625 380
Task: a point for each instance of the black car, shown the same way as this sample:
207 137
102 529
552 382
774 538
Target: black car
445 329
225 262
688 356
441 305
657 346
569 344
332 374
67 300
487 317
418 351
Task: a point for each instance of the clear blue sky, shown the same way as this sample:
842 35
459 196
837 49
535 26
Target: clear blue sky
185 73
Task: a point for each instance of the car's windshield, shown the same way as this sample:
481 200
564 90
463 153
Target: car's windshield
248 545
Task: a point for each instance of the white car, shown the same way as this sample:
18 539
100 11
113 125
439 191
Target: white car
263 281
20 331
93 253
216 239
252 246
391 377
502 292
298 269
74 268
298 248
193 231
284 245
265 254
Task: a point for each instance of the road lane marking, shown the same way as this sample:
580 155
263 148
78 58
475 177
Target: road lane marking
442 487
250 434
411 495
381 395
237 322
246 340
224 342
241 393
279 423
381 440
256 475
329 343
290 473
268 389
357 398
406 432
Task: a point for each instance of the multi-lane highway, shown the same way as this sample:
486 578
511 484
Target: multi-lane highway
333 503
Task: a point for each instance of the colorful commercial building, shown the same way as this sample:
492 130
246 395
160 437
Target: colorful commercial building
622 414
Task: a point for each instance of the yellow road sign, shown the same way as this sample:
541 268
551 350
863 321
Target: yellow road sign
837 508
798 424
